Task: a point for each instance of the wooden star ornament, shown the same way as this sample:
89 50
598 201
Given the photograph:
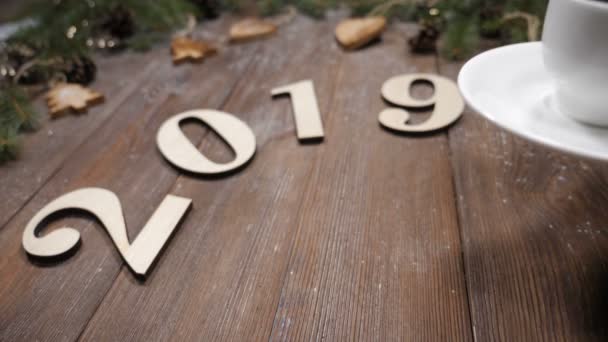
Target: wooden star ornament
186 49
70 96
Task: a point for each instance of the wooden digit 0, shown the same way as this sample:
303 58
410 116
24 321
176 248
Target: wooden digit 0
107 208
447 101
178 150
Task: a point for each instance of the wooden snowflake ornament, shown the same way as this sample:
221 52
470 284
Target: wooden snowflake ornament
186 49
251 28
70 96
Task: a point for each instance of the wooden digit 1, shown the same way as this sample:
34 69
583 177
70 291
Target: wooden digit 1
178 150
305 109
447 101
104 204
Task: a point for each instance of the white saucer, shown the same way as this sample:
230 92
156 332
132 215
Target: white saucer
510 87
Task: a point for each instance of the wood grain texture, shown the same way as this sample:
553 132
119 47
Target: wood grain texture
253 259
221 277
55 303
376 254
535 235
353 238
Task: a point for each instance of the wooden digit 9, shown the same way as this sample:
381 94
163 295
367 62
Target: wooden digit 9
447 101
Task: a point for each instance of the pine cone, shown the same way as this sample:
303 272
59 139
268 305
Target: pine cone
491 21
425 40
13 56
7 72
18 53
209 8
119 23
79 69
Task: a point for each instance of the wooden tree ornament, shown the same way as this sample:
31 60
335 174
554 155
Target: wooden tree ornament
447 101
179 151
186 49
70 96
305 109
107 208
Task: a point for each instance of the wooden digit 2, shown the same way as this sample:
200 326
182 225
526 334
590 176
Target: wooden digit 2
178 150
107 208
447 101
305 109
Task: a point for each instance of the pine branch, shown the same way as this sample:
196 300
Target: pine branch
9 144
384 8
16 111
461 36
64 28
16 115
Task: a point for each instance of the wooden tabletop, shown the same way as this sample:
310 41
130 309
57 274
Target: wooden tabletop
466 234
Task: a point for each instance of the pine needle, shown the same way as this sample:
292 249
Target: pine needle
9 144
16 115
532 23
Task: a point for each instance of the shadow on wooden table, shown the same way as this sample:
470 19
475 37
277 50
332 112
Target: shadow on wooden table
556 284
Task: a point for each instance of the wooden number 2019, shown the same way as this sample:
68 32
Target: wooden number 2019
179 151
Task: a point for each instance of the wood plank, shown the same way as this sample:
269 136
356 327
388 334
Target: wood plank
377 252
55 303
236 269
222 275
534 235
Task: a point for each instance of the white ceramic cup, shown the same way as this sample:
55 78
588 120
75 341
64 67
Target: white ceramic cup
575 51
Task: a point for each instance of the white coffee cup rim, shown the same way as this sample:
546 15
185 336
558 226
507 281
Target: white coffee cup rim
603 5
